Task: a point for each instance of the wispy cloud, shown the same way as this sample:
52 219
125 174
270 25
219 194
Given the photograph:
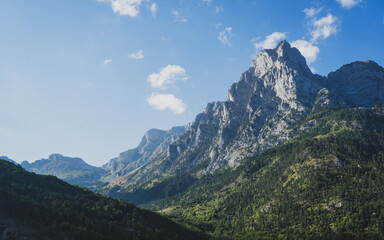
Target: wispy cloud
153 9
311 12
219 9
270 41
319 28
137 55
167 76
224 35
167 101
324 27
107 61
348 4
177 17
307 49
125 7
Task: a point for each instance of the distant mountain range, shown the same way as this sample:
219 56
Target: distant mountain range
77 171
288 154
72 170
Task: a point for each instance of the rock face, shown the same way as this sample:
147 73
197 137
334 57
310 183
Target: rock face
276 91
72 170
153 142
360 84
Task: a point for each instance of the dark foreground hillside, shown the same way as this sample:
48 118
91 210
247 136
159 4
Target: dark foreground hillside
325 183
44 207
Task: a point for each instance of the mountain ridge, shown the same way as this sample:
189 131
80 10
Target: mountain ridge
275 92
72 170
261 110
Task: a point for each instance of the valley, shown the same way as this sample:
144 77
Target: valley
290 154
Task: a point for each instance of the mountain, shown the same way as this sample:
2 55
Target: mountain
76 171
325 183
272 96
72 170
289 155
44 207
8 159
153 142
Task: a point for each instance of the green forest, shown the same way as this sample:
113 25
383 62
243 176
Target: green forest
44 207
325 183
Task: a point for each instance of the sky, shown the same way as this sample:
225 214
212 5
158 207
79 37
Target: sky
87 78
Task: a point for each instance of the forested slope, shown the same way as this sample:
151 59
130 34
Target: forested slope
44 207
327 182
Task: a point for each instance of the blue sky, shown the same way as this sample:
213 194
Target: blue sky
88 78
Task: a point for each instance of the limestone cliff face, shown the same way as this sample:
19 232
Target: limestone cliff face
276 91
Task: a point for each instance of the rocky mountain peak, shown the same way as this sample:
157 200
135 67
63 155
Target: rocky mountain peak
151 137
360 83
262 107
283 55
280 73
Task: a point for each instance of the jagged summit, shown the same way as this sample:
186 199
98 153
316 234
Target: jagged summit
283 54
281 72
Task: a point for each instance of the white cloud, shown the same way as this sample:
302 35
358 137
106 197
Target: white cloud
167 76
324 27
177 17
270 41
153 9
223 36
307 49
107 61
348 4
125 7
311 12
138 55
167 101
219 9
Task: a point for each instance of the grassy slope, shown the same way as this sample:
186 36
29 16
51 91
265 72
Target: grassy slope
52 208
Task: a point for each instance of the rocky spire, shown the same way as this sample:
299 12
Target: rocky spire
283 54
